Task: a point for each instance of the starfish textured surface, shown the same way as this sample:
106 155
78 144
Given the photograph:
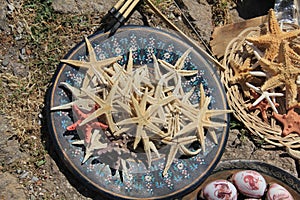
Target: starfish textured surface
284 73
290 121
272 40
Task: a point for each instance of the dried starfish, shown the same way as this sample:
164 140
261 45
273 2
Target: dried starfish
176 71
144 121
105 107
178 143
284 73
242 74
264 95
92 65
200 119
87 128
95 144
262 105
290 121
272 40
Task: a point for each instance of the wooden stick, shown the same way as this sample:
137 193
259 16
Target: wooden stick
131 7
164 18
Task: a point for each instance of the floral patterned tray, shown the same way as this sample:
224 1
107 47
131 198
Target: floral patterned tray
130 176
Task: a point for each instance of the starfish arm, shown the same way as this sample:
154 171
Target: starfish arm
138 136
76 63
166 65
75 91
262 97
157 72
130 63
187 129
63 107
208 123
188 152
213 134
154 149
210 113
272 83
271 103
291 93
187 72
201 137
91 52
128 121
93 116
180 62
170 158
94 97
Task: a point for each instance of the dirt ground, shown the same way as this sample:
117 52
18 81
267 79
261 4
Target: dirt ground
34 37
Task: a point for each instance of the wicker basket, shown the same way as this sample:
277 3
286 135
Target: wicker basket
269 130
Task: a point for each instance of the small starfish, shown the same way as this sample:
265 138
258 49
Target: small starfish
262 106
242 74
284 73
178 143
94 145
290 121
264 95
87 128
105 108
93 64
272 40
176 71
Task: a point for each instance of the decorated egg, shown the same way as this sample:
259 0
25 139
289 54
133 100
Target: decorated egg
220 190
277 192
250 183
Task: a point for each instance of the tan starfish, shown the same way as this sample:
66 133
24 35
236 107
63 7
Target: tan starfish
105 107
92 65
271 41
176 71
200 118
242 74
178 143
284 73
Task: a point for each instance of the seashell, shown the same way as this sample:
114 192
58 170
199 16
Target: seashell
277 192
250 183
219 190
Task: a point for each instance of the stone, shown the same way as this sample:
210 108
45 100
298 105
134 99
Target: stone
201 14
3 11
82 6
10 188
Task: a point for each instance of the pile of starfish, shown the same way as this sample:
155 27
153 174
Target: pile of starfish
271 70
145 103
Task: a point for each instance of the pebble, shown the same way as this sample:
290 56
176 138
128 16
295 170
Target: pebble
5 62
24 175
34 179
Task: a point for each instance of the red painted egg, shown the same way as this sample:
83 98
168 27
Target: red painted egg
250 183
220 190
278 192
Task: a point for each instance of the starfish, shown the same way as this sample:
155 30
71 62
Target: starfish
176 71
290 121
242 74
264 95
90 148
87 128
284 73
200 118
178 143
271 41
92 65
144 121
262 105
105 107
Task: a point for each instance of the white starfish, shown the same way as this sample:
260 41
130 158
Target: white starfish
264 95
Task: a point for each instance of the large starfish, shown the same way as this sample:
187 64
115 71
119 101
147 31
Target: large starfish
92 65
144 120
290 121
271 41
200 118
176 71
87 128
284 73
105 107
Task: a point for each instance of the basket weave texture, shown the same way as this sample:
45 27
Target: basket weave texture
245 70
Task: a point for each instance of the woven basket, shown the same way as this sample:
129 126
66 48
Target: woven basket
269 130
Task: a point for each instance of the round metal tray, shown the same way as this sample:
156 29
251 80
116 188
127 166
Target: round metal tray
186 173
271 173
